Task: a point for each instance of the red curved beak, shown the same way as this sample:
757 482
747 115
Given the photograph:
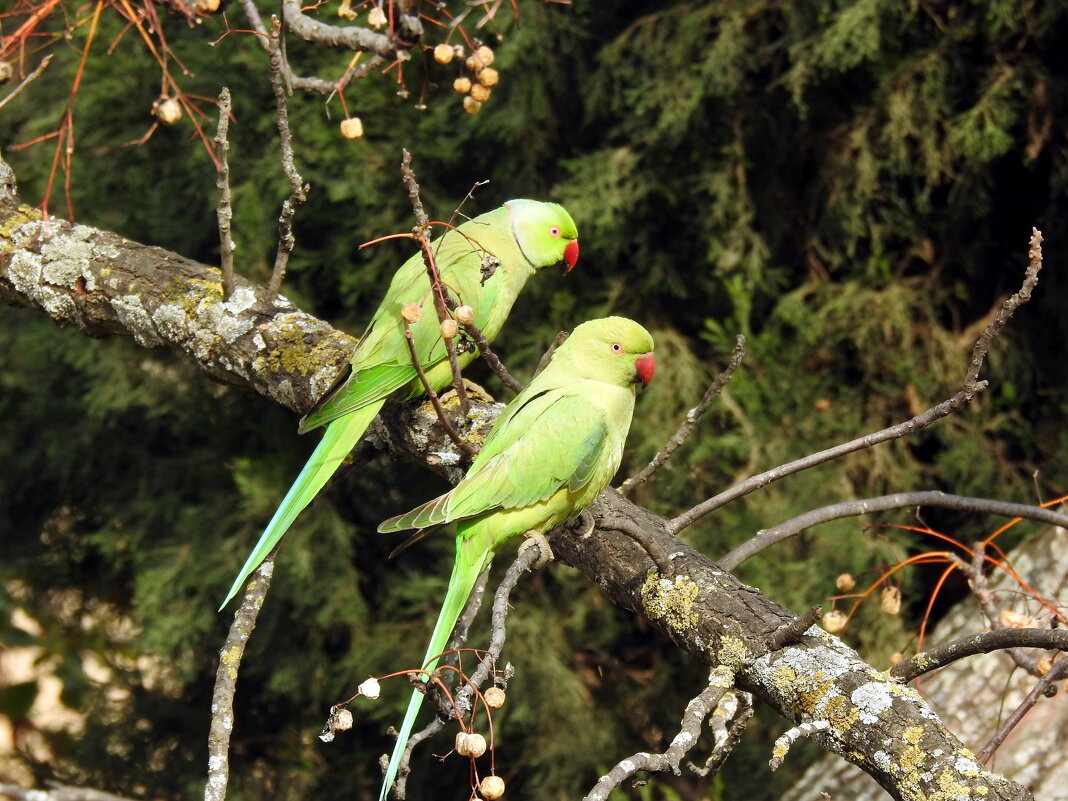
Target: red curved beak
645 366
571 251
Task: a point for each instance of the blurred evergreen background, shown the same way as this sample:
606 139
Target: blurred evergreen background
851 184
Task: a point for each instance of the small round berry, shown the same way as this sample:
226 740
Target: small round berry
476 745
494 697
473 63
7 71
891 600
488 77
449 328
484 55
834 621
896 658
472 106
411 312
492 788
376 17
464 315
352 127
168 110
206 6
370 689
462 85
480 93
845 582
443 53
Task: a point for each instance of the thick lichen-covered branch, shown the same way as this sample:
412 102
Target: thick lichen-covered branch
105 285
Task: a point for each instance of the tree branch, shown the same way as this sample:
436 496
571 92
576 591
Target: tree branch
824 514
970 388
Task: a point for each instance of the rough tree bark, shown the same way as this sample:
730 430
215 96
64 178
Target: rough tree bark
105 285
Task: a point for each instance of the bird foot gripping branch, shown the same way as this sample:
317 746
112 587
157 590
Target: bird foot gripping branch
535 539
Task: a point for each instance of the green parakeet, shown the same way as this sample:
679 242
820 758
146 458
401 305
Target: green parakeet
551 451
484 263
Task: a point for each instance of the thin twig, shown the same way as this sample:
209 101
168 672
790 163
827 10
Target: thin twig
222 698
491 358
969 390
421 232
982 643
720 682
27 80
298 190
795 525
1057 671
435 401
689 422
463 697
736 707
223 210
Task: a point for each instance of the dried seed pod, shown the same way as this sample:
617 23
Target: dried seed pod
464 315
449 328
834 621
480 93
1015 620
462 85
896 658
168 110
460 744
7 71
376 17
484 55
206 6
494 697
488 77
492 788
352 127
472 106
476 744
342 719
891 600
411 312
443 53
845 582
370 689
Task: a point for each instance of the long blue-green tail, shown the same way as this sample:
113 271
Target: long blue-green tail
465 572
339 438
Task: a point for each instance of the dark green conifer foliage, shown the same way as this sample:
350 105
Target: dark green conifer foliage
849 184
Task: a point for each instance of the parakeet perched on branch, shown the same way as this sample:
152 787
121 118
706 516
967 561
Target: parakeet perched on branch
551 451
484 264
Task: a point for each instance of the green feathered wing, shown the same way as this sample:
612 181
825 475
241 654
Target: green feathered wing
381 362
552 450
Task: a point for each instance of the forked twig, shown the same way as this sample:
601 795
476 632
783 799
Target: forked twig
298 190
421 233
689 422
971 387
767 537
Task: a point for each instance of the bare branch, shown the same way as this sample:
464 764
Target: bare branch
462 700
969 390
689 422
982 643
421 232
222 698
298 190
720 682
1043 686
491 358
27 80
824 514
223 210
